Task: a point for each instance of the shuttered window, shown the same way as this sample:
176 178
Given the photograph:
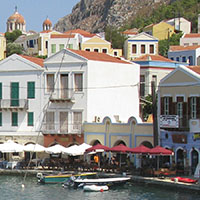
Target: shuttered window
14 119
0 118
151 48
134 48
143 48
0 90
78 82
31 90
30 118
61 46
53 48
77 120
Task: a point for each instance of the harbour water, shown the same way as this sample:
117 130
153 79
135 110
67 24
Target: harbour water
11 188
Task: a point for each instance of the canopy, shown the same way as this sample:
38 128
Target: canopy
120 148
55 149
158 150
10 147
140 149
98 147
34 148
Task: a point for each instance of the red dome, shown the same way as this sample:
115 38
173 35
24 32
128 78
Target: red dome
17 17
47 22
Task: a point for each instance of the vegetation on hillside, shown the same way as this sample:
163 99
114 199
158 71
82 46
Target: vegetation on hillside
189 9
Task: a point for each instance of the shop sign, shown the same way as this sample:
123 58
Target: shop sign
169 121
196 136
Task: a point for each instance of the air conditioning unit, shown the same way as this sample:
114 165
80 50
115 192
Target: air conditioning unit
194 125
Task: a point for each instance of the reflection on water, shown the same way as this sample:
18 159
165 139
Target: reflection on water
12 189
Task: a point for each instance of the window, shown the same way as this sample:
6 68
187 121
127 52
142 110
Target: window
172 58
190 59
50 82
143 48
53 48
77 120
180 109
183 59
151 48
31 90
154 79
115 53
15 94
78 82
61 46
142 85
134 48
96 50
0 90
70 46
193 107
186 44
31 43
46 44
50 125
63 121
177 59
14 119
0 118
104 50
87 49
194 44
166 105
30 118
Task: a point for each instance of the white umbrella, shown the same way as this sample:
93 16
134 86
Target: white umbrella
55 149
10 147
71 150
34 148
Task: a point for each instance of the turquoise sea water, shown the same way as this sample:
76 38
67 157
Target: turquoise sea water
11 189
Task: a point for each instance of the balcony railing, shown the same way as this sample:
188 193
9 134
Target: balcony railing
62 95
58 128
14 104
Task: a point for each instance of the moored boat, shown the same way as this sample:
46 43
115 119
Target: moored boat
100 181
95 188
61 178
184 180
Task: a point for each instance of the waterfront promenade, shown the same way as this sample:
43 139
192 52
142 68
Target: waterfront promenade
163 182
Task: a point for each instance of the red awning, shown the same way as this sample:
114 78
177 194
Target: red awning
120 148
158 150
140 149
98 147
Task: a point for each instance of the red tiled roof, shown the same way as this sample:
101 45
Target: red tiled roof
148 57
183 48
62 36
38 61
192 35
195 69
98 56
131 32
81 32
47 31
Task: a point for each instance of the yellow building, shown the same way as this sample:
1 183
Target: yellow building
2 46
131 134
100 45
161 30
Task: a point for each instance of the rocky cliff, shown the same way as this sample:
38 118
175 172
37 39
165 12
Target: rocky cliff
94 15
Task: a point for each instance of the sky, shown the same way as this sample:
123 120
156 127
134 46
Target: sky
35 11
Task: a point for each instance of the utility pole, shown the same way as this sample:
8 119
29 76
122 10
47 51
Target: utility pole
154 109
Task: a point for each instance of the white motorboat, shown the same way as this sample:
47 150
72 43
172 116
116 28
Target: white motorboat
95 188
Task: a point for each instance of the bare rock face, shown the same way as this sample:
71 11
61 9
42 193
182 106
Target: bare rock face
95 15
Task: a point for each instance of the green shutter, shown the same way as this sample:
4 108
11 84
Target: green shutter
53 48
0 118
14 119
31 90
61 46
0 90
15 94
30 119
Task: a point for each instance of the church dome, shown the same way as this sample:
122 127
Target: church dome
18 18
47 22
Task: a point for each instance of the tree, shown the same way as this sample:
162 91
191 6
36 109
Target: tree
12 48
147 107
12 36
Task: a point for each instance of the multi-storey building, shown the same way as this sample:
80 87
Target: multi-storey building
82 86
179 115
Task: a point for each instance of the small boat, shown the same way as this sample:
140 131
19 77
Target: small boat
184 180
61 178
95 188
100 181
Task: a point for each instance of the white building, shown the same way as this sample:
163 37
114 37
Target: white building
21 98
86 87
191 39
139 45
180 24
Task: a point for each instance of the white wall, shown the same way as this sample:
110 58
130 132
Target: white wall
112 90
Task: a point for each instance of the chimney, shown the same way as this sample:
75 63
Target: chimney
198 23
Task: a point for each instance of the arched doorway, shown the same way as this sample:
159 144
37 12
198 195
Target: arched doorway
29 155
180 159
120 157
119 142
95 142
194 160
147 144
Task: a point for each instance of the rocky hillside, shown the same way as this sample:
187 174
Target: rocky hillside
94 15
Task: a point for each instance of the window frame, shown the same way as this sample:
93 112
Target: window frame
30 119
31 90
14 118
